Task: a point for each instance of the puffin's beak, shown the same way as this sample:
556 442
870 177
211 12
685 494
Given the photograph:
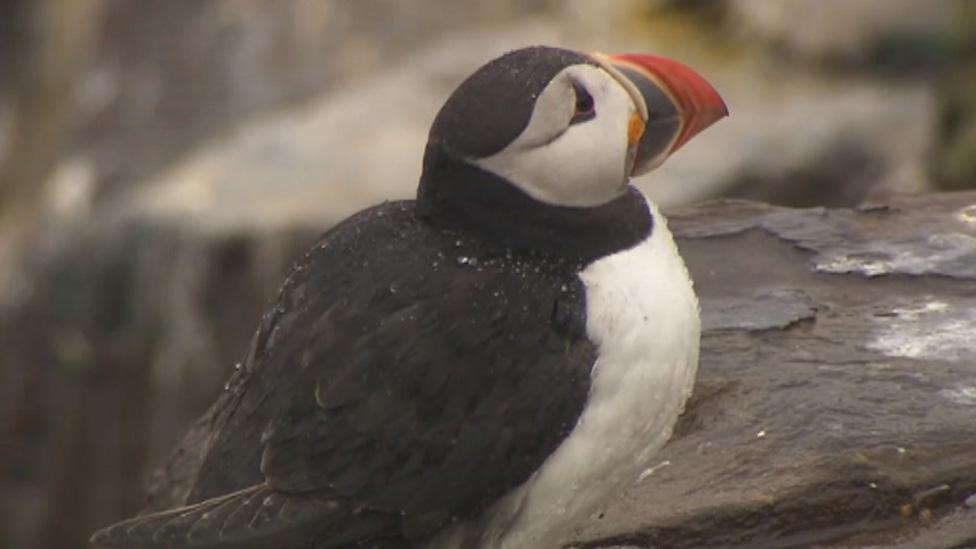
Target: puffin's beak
675 102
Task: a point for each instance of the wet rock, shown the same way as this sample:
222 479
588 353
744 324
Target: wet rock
919 244
762 311
839 410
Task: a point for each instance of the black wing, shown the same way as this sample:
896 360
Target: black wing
405 385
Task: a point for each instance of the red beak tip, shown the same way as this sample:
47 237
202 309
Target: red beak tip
698 101
688 88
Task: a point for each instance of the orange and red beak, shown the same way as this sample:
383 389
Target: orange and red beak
675 102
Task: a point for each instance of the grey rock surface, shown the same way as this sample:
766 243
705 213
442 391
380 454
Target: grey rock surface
832 409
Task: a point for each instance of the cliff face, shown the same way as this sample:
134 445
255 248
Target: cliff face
836 396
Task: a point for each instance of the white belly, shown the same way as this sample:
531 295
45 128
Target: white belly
643 316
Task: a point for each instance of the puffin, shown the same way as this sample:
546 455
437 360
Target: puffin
486 366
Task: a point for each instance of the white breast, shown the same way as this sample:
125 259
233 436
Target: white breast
643 315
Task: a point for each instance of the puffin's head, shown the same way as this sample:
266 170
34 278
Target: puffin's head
570 129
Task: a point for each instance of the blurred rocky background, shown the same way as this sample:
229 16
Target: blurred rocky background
162 162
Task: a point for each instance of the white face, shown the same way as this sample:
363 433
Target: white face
563 162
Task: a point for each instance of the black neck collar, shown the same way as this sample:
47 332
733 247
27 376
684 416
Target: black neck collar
461 196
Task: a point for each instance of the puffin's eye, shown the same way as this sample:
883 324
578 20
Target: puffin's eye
584 105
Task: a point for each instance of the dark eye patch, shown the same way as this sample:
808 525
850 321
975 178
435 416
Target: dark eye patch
585 108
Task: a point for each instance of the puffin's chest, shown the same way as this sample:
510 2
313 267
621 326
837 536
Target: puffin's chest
642 314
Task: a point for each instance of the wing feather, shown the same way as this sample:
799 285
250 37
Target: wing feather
388 392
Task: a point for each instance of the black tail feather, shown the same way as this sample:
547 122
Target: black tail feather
255 517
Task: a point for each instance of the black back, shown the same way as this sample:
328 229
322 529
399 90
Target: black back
410 371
